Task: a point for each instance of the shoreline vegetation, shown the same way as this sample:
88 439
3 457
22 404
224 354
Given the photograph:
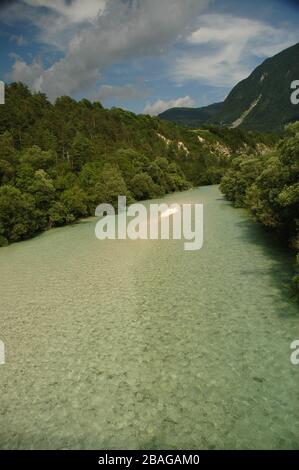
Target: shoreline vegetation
268 187
59 161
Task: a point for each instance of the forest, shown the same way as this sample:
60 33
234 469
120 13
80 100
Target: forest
268 186
59 161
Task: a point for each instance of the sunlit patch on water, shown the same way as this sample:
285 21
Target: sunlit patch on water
169 212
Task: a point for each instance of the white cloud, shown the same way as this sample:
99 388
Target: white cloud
223 46
215 49
76 11
120 93
123 30
160 105
29 73
57 21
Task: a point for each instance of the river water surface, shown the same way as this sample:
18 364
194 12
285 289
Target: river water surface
140 344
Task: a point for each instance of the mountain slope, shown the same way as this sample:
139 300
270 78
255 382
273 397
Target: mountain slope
260 102
192 117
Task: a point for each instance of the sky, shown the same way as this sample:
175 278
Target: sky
142 55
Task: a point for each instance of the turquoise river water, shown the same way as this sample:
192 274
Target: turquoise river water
142 345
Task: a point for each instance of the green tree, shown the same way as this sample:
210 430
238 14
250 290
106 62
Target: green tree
143 187
75 202
19 217
111 185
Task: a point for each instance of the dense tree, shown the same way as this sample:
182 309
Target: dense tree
143 187
111 185
59 161
18 215
269 187
75 201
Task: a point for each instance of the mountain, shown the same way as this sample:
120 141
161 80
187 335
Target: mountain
260 102
192 117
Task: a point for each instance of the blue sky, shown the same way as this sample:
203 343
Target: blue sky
142 55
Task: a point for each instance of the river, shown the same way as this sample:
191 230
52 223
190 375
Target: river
142 345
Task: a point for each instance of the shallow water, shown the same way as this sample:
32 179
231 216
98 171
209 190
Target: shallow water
140 344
